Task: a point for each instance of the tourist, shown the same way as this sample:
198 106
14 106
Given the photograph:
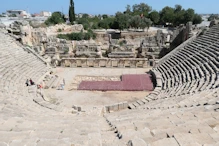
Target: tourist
39 86
31 82
27 82
63 81
62 86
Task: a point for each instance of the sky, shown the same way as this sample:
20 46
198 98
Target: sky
105 6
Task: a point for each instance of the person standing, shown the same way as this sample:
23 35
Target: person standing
31 82
63 81
27 82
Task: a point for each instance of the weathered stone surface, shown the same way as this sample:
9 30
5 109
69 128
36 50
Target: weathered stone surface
137 142
166 141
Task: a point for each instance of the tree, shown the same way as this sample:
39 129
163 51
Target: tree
104 16
167 15
189 15
135 21
178 8
141 9
103 24
128 10
86 16
197 19
155 17
71 12
56 18
145 23
179 17
122 20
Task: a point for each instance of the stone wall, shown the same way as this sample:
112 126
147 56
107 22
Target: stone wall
106 62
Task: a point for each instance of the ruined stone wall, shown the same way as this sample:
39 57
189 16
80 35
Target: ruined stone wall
106 62
183 34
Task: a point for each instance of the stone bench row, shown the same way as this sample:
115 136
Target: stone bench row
205 98
183 76
214 66
157 118
151 96
51 82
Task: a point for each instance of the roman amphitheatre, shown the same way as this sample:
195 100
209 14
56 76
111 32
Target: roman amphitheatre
148 88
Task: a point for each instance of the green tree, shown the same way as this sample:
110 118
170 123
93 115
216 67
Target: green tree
178 8
56 18
141 9
189 15
94 26
104 16
103 24
122 20
145 23
128 10
71 12
135 21
85 22
197 19
167 15
179 18
106 23
86 16
155 17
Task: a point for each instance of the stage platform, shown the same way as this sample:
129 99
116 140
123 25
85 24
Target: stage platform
132 82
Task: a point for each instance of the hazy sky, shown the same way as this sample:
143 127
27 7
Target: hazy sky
105 6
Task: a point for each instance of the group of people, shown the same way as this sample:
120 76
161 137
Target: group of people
29 82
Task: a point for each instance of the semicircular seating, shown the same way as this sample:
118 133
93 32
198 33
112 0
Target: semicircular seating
184 107
26 119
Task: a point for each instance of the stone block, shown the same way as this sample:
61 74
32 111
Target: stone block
137 142
125 105
127 63
139 64
84 63
133 63
103 63
107 108
90 62
131 106
114 63
108 63
165 142
96 63
78 63
187 138
121 63
115 107
73 63
120 106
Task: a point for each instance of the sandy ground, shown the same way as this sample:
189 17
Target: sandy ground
89 99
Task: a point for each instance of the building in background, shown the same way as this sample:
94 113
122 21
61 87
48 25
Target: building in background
17 13
45 14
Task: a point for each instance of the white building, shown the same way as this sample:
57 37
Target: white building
18 13
45 14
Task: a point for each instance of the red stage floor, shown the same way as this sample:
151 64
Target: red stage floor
136 82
